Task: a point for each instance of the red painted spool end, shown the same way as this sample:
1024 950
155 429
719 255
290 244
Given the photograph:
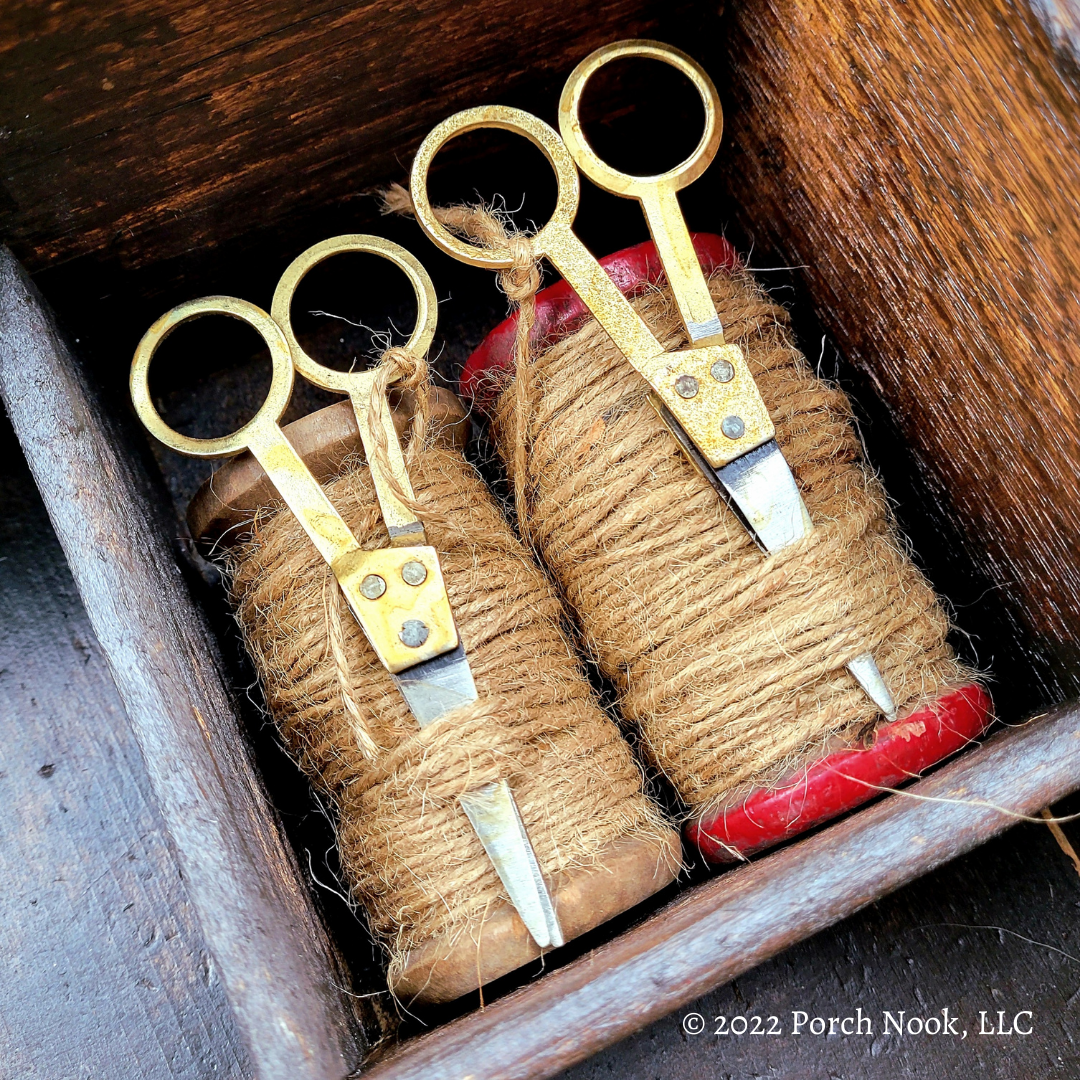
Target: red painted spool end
559 310
836 783
845 779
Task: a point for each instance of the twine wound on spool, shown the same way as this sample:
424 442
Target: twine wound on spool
731 663
408 851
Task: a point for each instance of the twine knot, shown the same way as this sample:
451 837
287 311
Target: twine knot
399 367
521 280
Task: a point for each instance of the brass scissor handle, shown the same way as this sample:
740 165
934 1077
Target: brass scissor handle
401 523
272 409
400 594
705 388
550 239
657 194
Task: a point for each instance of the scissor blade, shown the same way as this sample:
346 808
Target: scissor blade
436 686
758 485
495 818
868 676
433 689
761 486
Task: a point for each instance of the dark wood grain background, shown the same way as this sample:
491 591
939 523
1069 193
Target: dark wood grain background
142 131
920 163
915 163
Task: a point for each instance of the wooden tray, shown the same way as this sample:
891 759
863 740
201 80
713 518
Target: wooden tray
917 164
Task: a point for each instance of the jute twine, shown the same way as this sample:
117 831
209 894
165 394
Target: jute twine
410 855
733 664
520 282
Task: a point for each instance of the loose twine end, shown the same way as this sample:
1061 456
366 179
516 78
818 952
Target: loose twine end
520 282
398 367
333 605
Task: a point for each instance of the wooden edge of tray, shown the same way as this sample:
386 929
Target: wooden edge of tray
715 931
627 872
324 439
266 944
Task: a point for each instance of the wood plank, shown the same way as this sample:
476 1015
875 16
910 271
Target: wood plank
262 933
718 930
144 129
994 930
104 960
921 163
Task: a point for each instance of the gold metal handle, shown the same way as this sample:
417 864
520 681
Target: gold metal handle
384 608
502 118
657 194
272 408
709 390
401 523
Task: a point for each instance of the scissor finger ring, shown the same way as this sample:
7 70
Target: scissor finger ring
272 408
541 135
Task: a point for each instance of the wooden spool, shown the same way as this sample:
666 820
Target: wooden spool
846 776
631 870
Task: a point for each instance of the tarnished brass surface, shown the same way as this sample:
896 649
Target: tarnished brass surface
273 407
657 194
702 415
302 493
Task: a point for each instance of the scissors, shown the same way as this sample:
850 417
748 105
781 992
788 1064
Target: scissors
397 594
705 394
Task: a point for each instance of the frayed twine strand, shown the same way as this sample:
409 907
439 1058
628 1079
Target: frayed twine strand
520 282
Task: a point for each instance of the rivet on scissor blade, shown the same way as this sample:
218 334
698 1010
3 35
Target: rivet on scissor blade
414 572
722 371
373 586
733 427
413 633
868 676
686 386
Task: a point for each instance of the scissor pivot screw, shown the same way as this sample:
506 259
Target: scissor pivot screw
414 572
414 633
373 586
733 427
722 371
686 386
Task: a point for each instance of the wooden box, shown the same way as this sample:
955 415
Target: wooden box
914 168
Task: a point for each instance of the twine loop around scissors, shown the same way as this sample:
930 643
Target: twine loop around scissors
520 282
401 369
